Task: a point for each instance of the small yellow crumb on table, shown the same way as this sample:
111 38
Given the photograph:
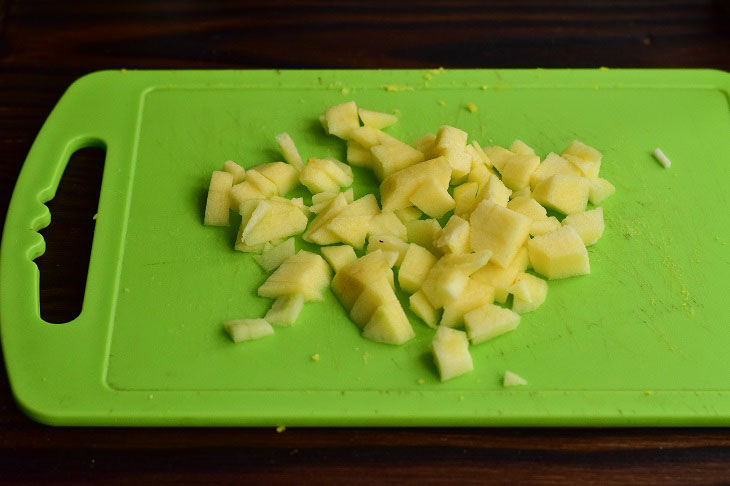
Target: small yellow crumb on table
315 357
472 107
280 429
420 381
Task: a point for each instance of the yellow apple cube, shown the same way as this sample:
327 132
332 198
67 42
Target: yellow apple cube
321 175
393 156
388 243
565 193
552 165
377 294
489 321
600 190
244 191
408 214
387 223
527 206
460 162
281 220
262 183
432 198
284 176
502 278
539 228
496 192
366 136
313 233
518 169
588 224
451 353
449 276
342 119
376 119
351 224
498 229
338 256
248 329
275 256
528 293
512 379
285 310
218 204
465 198
426 145
480 174
289 151
559 254
397 189
584 157
498 156
359 156
425 232
238 172
414 267
304 273
389 325
423 309
482 155
520 147
475 295
451 138
455 237
351 280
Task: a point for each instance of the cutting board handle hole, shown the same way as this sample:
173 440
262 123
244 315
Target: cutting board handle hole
65 263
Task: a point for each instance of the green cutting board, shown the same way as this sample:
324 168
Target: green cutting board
642 340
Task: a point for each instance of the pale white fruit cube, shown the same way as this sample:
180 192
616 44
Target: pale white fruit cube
489 321
565 193
423 309
377 294
465 198
584 157
396 189
284 176
502 278
342 119
244 191
389 325
388 243
351 279
451 353
518 169
432 198
475 295
600 190
482 155
304 273
425 232
528 293
289 151
248 329
338 256
358 156
392 157
365 136
460 162
273 257
262 183
524 192
281 220
414 267
408 214
449 137
455 237
238 172
218 204
449 276
387 223
496 191
520 147
528 207
588 224
559 254
426 145
539 228
498 229
513 379
285 310
376 119
480 174
552 165
497 156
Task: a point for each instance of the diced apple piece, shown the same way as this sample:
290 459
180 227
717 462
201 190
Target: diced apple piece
351 224
552 165
489 321
524 192
518 169
584 157
565 193
376 119
465 198
393 156
323 218
272 258
285 310
502 278
289 151
498 229
600 189
218 204
238 172
321 175
451 138
520 147
588 224
342 119
426 145
351 279
539 228
528 292
475 295
423 309
388 243
387 223
512 379
248 329
245 191
451 353
432 199
448 277
377 294
389 325
262 183
480 174
455 237
482 155
425 232
304 273
408 214
414 267
460 162
397 189
498 156
496 192
338 256
365 136
359 156
284 176
282 220
559 254
527 206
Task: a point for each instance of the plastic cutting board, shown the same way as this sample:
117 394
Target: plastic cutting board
642 340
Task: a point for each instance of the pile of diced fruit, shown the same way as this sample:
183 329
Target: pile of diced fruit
458 275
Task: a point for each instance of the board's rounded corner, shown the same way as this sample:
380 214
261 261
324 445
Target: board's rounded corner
94 79
36 409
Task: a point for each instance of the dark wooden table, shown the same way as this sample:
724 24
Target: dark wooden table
44 45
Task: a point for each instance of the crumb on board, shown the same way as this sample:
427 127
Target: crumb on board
95 216
472 107
461 398
365 357
280 429
315 357
484 87
345 91
648 392
126 290
437 71
420 381
663 159
427 76
513 379
441 102
603 68
391 88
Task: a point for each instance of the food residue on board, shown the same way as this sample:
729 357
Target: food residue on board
471 107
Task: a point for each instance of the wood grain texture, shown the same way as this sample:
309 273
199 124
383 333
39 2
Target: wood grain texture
44 45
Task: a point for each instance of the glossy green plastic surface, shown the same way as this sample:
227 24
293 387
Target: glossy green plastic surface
642 340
